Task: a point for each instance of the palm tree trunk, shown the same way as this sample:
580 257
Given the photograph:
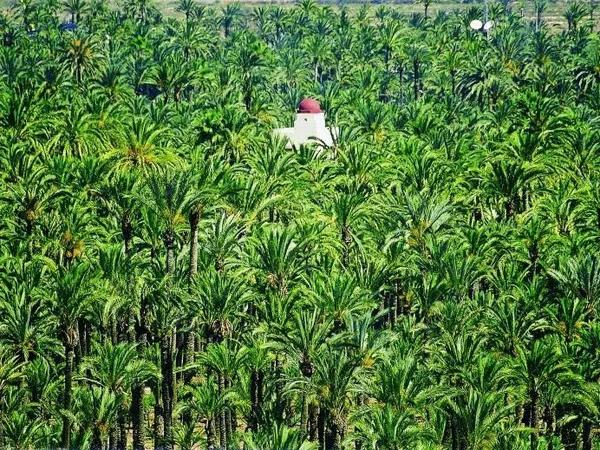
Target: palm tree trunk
255 399
126 231
188 346
85 337
167 391
231 422
194 219
122 443
337 432
170 259
113 436
322 421
96 443
79 347
166 352
453 81
455 436
137 417
229 414
223 417
137 392
279 406
587 435
304 420
548 418
158 428
346 242
114 335
188 354
331 437
416 79
248 95
569 437
533 398
179 342
381 322
210 434
67 396
313 422
400 86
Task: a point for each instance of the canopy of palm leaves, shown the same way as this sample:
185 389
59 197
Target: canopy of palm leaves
171 276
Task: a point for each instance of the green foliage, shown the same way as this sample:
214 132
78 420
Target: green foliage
172 275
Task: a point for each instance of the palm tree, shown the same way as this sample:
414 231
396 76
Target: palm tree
426 4
539 6
164 308
279 438
541 368
116 369
512 326
348 210
405 384
77 134
511 181
21 432
217 300
100 408
588 368
258 359
305 341
140 148
80 56
10 372
70 296
75 8
339 297
481 421
25 325
230 15
187 7
207 403
249 59
580 278
279 259
390 40
31 199
385 427
206 180
336 375
574 12
168 197
225 360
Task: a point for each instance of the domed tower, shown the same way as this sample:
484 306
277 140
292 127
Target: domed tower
309 106
309 125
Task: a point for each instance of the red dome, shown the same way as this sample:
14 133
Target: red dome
309 106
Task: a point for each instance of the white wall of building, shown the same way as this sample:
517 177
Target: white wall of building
308 127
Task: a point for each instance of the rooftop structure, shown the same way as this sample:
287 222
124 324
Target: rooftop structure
309 126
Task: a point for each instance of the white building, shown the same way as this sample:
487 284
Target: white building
309 126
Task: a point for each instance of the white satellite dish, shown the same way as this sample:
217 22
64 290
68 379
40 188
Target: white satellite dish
476 25
488 25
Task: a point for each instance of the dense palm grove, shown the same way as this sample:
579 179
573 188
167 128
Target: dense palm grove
172 276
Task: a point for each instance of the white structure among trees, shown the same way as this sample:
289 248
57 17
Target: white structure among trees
309 126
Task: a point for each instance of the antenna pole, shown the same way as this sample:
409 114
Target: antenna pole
485 12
